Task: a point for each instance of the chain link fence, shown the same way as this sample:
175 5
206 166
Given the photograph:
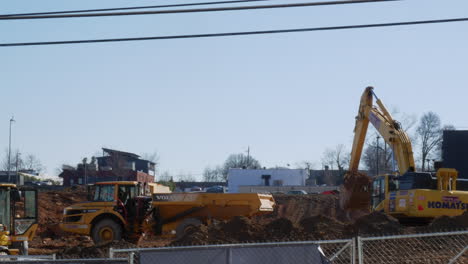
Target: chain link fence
330 251
44 260
434 248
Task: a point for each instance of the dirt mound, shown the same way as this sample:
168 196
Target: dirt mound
450 222
322 227
375 223
50 209
85 251
281 225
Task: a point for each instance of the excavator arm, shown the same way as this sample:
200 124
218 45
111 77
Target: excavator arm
355 192
388 128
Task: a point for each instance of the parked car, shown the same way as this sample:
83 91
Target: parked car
298 192
196 189
216 189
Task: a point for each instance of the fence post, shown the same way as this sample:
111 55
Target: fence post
353 251
360 253
111 253
131 258
228 255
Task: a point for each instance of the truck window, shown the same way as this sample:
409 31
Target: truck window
127 192
5 208
104 193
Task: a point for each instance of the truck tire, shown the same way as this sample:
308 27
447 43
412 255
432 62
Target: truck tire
106 230
185 226
23 247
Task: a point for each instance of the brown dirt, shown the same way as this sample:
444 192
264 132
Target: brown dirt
375 223
296 217
51 205
450 222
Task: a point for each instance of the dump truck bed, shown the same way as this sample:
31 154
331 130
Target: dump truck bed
212 205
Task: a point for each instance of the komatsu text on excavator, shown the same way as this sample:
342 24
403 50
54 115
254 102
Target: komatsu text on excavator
407 195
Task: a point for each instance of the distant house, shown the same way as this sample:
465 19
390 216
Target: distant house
114 165
265 177
15 178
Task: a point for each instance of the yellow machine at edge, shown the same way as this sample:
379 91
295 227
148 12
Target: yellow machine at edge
18 218
407 195
122 209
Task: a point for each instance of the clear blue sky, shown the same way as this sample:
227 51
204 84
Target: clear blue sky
287 96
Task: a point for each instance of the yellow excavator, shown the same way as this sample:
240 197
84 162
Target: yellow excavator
18 218
407 195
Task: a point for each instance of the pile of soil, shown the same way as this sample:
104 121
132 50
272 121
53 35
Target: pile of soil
87 251
450 222
375 223
322 227
50 209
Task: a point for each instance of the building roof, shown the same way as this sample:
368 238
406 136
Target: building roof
123 153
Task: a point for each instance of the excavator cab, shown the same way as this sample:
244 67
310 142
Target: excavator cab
378 191
382 186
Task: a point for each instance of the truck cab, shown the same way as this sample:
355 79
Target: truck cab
112 210
18 218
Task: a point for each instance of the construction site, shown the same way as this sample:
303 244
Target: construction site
234 132
295 218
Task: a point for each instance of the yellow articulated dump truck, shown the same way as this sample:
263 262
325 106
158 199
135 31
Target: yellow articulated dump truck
122 209
18 218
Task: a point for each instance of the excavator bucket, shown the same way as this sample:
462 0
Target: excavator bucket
355 192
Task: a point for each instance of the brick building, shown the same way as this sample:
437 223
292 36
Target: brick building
114 165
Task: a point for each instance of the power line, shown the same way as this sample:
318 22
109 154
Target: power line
245 33
131 8
195 10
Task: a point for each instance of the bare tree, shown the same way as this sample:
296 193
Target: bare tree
328 158
185 177
17 162
336 158
307 165
165 177
239 161
429 134
31 162
213 174
377 159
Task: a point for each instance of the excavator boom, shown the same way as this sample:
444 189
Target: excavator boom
355 193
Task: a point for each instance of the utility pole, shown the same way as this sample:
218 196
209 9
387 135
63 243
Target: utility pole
248 156
17 175
9 150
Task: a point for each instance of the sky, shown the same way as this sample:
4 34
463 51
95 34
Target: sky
195 101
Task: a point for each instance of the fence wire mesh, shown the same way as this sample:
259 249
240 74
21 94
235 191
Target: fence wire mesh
434 248
336 251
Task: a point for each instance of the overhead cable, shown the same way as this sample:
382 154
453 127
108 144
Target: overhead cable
245 33
131 8
194 10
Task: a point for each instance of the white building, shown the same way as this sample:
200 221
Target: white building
265 177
